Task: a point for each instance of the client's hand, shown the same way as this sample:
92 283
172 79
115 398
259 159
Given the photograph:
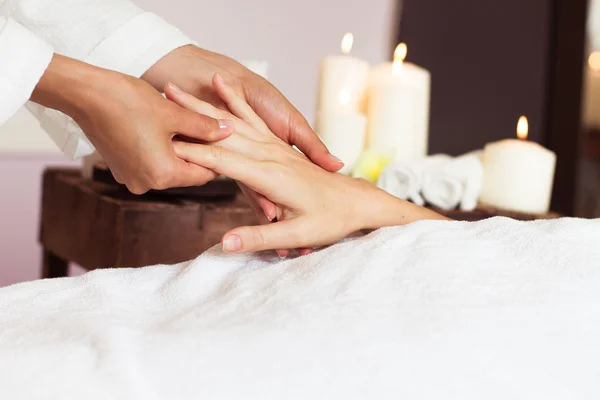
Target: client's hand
319 207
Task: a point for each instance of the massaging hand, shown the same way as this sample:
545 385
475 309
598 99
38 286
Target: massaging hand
318 207
192 69
129 123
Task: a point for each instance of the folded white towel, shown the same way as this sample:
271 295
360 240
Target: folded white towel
449 182
403 180
493 310
440 188
468 169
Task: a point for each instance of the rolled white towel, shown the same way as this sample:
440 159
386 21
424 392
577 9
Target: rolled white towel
468 169
403 180
439 188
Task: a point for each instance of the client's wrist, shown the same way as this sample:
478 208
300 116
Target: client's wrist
381 209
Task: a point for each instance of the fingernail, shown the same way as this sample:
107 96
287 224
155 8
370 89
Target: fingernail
271 215
334 158
232 243
220 79
226 125
175 88
282 254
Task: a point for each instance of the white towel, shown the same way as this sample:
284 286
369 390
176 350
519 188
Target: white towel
403 180
493 310
440 188
451 182
468 169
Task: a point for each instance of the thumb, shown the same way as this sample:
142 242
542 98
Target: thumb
195 118
202 127
286 234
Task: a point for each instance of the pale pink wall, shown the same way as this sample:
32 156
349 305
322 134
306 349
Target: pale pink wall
19 214
292 35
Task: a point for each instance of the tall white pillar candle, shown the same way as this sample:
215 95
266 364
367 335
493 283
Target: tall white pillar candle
398 107
342 81
518 175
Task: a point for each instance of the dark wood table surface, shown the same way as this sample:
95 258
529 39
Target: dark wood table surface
98 225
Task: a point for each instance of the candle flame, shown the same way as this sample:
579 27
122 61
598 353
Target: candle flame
347 43
594 61
523 128
399 57
400 53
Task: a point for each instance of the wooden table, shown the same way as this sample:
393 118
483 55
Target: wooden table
97 225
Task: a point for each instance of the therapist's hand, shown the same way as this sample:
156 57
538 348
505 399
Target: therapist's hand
130 123
192 69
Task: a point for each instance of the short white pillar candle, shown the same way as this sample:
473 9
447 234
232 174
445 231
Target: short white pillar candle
518 174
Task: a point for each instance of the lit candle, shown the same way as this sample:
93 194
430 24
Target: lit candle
342 81
518 174
398 107
344 135
340 122
591 117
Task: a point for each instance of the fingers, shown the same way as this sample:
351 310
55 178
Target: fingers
288 124
266 206
197 119
189 102
226 162
238 106
279 235
190 174
304 252
302 136
265 210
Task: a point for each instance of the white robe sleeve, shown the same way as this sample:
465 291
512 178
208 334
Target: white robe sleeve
23 59
112 34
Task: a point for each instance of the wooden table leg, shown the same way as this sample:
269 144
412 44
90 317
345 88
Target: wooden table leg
54 266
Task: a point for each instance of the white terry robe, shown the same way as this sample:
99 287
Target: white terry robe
112 34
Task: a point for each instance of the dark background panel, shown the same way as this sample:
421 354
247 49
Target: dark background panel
489 63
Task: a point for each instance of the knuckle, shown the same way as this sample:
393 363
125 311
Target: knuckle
215 153
207 126
256 237
160 178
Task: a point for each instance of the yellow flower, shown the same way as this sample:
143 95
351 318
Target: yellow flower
370 164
